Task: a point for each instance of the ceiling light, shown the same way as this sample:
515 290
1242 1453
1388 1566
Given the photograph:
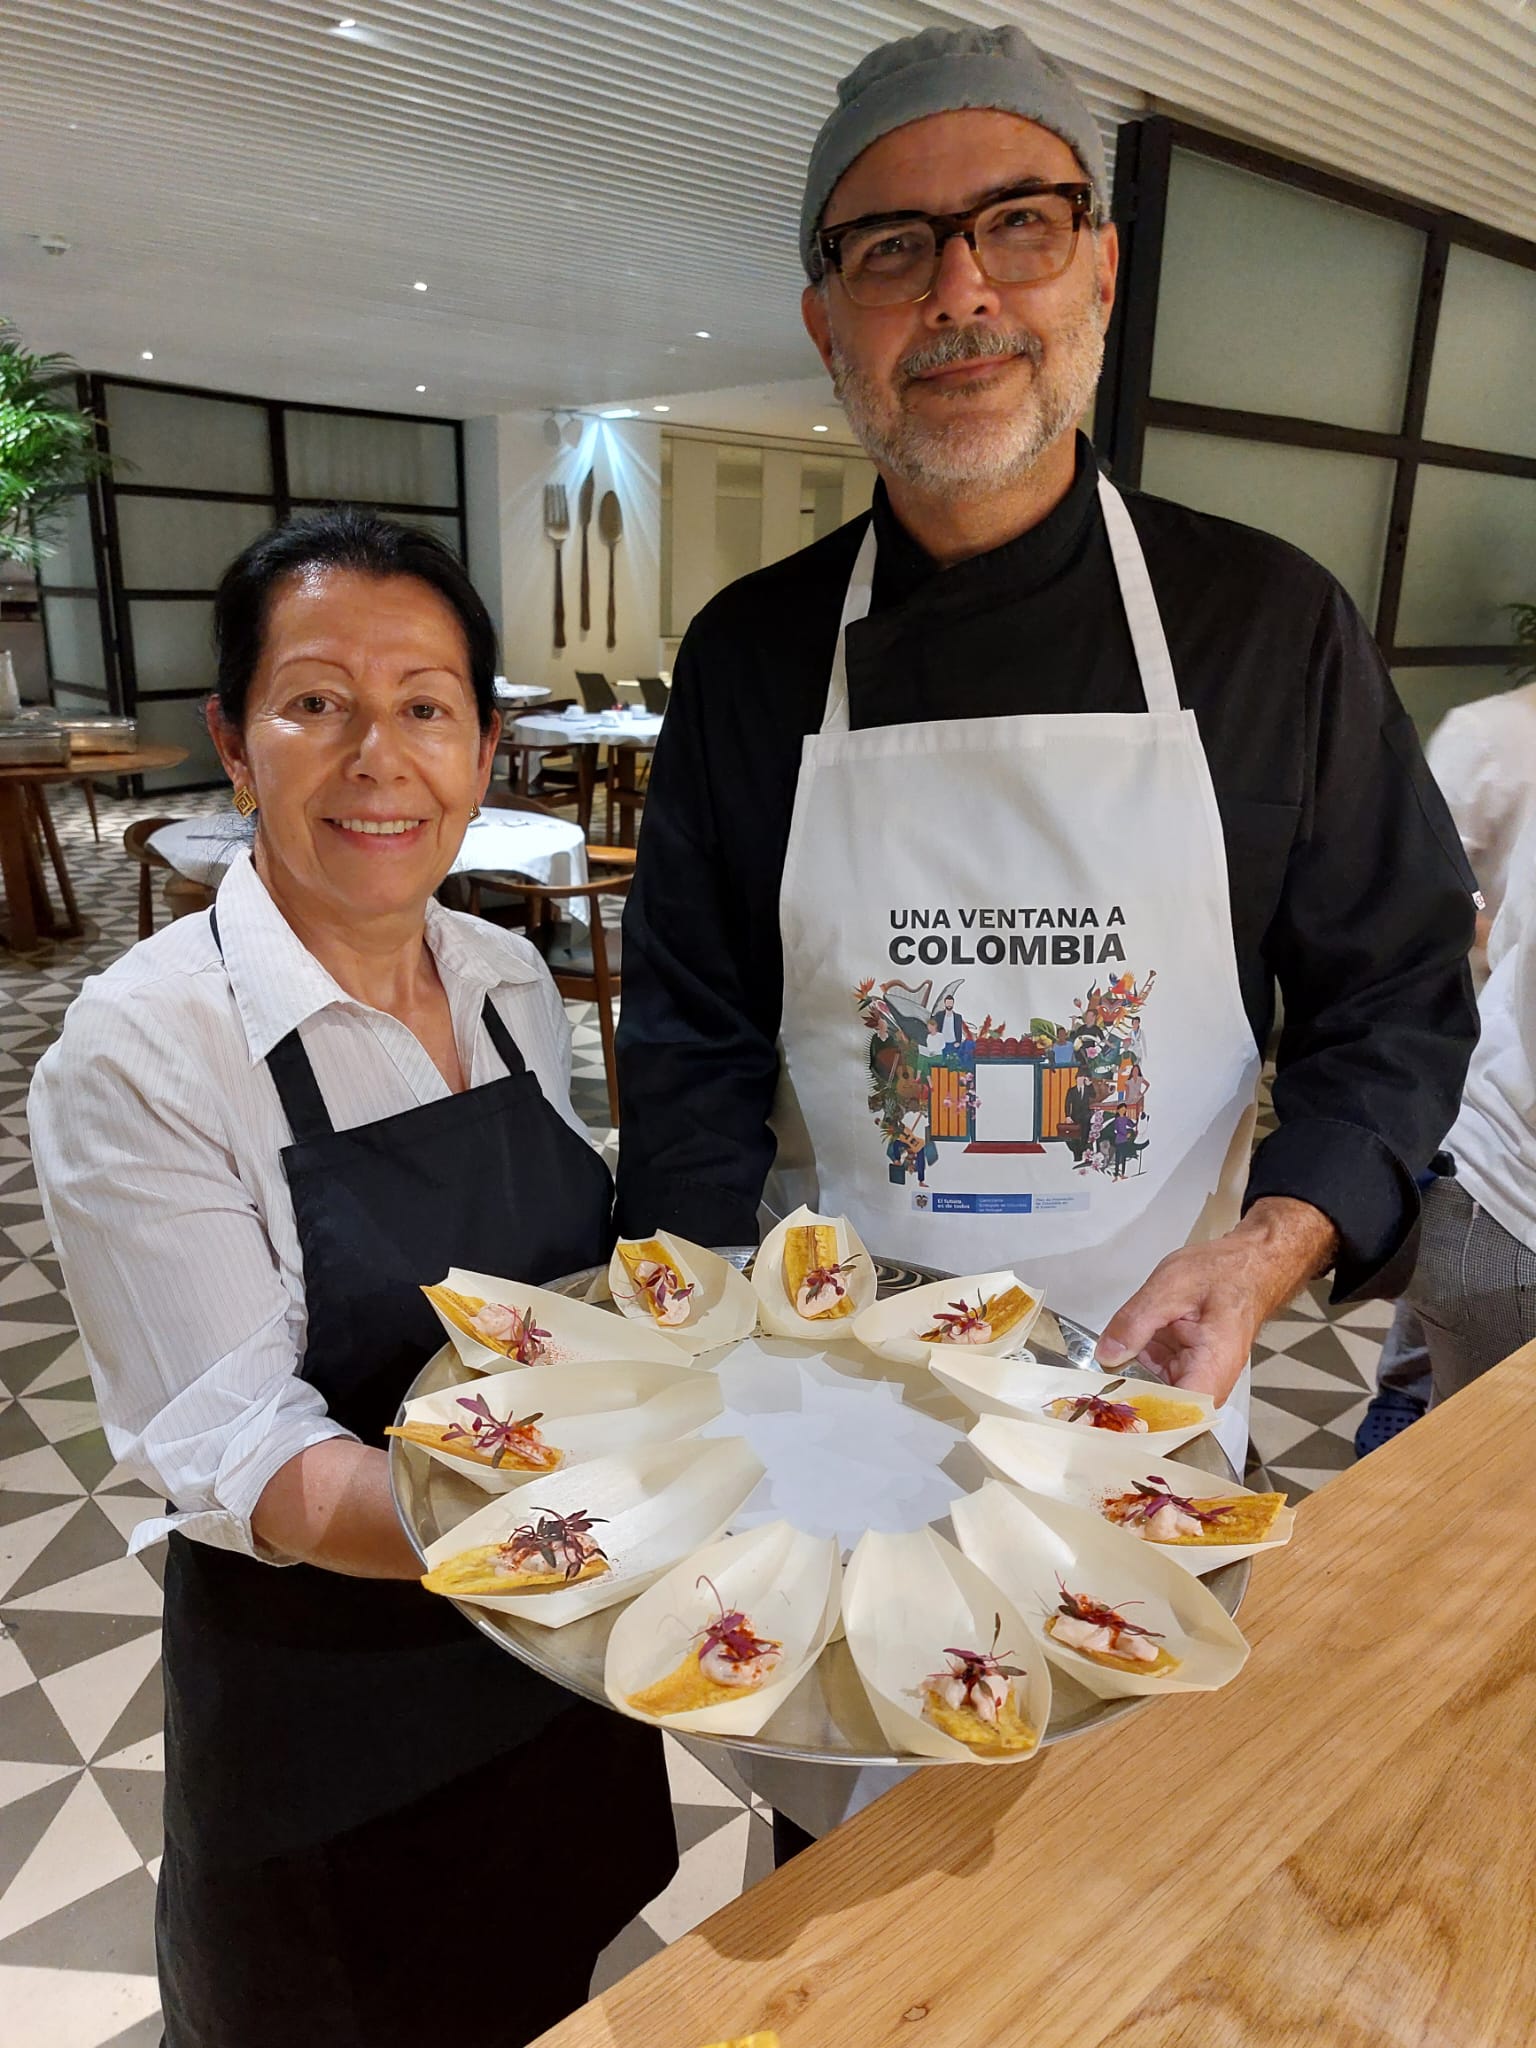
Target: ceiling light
818 430
622 412
661 408
701 334
419 286
421 387
346 22
146 355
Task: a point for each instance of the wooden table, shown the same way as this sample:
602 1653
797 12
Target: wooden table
24 813
1337 1851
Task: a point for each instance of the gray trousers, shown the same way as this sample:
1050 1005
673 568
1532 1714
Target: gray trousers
1474 1288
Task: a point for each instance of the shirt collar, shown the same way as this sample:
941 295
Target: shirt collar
278 983
904 568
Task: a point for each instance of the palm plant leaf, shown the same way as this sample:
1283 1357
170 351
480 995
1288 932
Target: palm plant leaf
47 448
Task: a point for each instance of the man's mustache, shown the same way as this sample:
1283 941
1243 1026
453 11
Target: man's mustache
970 345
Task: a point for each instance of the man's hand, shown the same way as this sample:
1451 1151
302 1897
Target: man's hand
1195 1320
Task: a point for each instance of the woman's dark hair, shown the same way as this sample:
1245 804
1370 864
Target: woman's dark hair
340 537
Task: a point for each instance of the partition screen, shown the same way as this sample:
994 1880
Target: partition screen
1344 368
128 602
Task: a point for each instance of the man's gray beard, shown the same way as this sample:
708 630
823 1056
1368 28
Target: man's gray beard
974 453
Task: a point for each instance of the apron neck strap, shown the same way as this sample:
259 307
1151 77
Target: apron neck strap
1141 614
294 1077
1148 639
861 590
299 1092
511 1057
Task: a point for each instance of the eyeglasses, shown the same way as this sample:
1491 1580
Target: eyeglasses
1026 236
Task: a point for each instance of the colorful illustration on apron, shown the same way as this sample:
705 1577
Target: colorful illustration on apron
945 1089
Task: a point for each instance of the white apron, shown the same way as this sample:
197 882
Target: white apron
1013 1033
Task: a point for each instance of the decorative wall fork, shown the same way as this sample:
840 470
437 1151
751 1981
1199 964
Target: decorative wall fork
557 524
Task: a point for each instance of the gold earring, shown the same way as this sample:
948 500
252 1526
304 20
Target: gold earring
245 801
474 813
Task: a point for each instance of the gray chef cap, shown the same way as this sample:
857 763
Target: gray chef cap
939 72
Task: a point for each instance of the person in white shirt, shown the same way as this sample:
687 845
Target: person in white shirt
260 1134
1483 755
1474 1289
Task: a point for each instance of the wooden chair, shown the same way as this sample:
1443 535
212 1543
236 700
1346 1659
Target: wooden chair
564 770
621 858
586 961
184 897
628 775
471 889
136 845
597 693
655 695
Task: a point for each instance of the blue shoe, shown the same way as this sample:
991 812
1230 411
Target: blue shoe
1388 1415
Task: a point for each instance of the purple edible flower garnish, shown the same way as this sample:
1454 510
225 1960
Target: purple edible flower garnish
499 1438
531 1340
972 1666
1155 1495
731 1632
1083 1607
1102 1414
551 1535
961 1318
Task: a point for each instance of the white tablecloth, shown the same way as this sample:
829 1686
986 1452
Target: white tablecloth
519 693
548 850
602 729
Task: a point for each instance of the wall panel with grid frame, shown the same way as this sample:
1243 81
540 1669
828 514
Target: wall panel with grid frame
1342 366
128 600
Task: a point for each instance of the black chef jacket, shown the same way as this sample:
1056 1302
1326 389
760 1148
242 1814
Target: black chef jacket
1348 885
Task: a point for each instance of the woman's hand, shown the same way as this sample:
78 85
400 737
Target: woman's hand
331 1506
1195 1320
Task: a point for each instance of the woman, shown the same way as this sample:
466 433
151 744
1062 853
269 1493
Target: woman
260 1133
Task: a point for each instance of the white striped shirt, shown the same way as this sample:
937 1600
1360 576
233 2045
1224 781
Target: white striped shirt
156 1133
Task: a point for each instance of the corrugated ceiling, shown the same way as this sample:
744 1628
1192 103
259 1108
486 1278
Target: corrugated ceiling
251 192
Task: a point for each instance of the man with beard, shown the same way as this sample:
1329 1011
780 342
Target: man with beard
1003 631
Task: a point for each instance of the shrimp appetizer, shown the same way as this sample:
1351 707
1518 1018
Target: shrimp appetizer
993 1316
1096 1631
974 1702
513 1445
1138 1415
815 1279
728 1659
540 1556
1153 1511
495 1325
659 1284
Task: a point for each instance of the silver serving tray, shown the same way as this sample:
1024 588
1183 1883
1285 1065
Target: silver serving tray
827 1718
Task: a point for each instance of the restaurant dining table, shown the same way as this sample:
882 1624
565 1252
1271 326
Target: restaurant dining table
541 849
584 733
549 850
24 816
1338 1848
507 693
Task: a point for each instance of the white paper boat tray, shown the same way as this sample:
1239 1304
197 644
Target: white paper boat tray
828 1717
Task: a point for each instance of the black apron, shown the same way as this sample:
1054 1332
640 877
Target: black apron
346 1757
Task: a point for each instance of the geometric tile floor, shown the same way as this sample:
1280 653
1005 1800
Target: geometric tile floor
80 1702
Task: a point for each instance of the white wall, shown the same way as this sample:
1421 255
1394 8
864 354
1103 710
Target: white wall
735 506
507 464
